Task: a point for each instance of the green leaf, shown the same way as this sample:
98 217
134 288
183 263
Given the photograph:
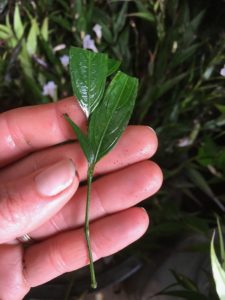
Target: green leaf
190 295
4 28
112 115
143 15
18 25
32 38
113 66
88 74
197 178
83 140
120 20
184 54
4 35
44 29
47 49
218 272
32 87
222 252
63 22
184 281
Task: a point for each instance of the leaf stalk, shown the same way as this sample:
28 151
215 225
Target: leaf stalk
86 228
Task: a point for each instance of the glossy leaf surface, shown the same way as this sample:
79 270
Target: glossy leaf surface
88 74
112 115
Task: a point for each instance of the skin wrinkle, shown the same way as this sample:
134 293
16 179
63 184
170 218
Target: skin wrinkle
23 270
53 222
56 258
6 206
12 213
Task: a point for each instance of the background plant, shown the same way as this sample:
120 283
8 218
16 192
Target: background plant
177 49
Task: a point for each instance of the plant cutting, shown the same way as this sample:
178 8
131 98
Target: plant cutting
107 102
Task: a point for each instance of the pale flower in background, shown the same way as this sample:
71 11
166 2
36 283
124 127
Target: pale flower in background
49 89
88 43
222 71
184 142
59 47
64 60
98 31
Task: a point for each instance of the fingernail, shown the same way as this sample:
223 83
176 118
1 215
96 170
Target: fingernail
55 178
151 129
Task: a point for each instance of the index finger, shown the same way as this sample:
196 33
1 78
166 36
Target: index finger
24 130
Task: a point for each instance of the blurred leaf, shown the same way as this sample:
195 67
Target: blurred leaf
12 41
32 37
143 15
18 25
63 22
44 29
185 282
218 272
185 295
113 66
183 54
34 90
26 62
4 28
197 178
49 54
207 152
196 22
105 22
220 107
64 4
81 21
222 252
120 20
157 91
4 35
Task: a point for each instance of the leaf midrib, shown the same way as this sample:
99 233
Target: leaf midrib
111 115
89 80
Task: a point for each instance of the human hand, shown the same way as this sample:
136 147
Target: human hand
39 195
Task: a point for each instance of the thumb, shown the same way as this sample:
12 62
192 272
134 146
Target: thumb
27 203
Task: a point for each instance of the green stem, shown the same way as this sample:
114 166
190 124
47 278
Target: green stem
87 232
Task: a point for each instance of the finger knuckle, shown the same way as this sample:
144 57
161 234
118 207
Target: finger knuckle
10 208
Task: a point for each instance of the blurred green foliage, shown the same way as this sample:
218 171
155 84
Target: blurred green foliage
177 49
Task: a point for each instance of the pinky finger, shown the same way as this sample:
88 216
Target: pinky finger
67 251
